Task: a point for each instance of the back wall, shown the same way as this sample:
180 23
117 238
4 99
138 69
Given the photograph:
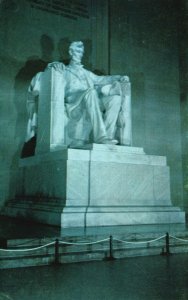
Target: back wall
133 37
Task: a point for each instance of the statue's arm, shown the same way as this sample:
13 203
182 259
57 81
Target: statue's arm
108 79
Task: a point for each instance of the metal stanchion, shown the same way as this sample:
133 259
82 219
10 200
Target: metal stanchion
56 261
167 246
111 256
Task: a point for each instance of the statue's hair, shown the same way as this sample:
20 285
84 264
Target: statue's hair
76 44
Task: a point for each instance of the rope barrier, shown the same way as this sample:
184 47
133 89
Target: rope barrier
25 250
52 243
179 239
83 243
60 242
144 242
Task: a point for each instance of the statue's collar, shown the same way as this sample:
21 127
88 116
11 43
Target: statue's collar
75 65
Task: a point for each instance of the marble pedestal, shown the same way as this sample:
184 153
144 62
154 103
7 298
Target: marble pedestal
103 185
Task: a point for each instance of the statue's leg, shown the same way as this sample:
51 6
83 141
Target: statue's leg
91 102
112 106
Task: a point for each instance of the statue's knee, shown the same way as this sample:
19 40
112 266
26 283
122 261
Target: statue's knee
93 93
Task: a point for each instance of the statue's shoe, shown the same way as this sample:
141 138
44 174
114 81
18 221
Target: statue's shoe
109 141
77 144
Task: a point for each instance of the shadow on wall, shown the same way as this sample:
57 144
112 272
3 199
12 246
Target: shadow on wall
33 65
63 49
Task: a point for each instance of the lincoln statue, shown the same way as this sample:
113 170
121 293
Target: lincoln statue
99 103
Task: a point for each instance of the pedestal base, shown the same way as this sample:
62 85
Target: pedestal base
104 185
117 216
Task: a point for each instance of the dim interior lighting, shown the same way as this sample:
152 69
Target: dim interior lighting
10 5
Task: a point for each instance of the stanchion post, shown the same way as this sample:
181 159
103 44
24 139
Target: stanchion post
111 257
167 244
56 261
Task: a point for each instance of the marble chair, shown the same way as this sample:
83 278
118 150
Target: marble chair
49 120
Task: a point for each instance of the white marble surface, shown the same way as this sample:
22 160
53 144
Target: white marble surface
78 181
161 185
128 184
71 102
97 152
104 185
116 148
110 216
107 219
104 182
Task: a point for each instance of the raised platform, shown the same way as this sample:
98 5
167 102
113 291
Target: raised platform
103 185
83 244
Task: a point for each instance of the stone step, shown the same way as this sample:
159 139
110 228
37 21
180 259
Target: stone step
78 252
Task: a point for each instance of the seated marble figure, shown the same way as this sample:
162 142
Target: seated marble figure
100 103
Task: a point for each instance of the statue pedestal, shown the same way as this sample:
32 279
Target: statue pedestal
103 185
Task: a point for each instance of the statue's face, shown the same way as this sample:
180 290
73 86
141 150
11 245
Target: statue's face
77 54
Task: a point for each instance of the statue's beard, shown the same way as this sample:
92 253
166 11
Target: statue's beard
76 59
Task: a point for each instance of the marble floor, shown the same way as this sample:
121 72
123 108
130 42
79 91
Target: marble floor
138 278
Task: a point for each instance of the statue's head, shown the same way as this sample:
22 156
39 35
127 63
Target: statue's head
76 51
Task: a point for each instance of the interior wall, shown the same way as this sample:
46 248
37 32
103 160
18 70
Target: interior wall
133 37
144 45
183 46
